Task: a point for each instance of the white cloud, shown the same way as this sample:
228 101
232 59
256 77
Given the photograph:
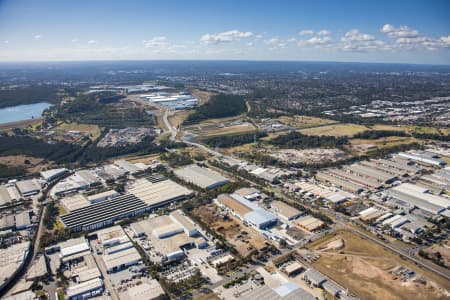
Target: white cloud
445 40
250 44
37 36
74 40
225 37
158 41
92 42
319 40
356 35
399 32
323 32
306 32
6 42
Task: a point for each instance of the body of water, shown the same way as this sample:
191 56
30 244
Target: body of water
22 112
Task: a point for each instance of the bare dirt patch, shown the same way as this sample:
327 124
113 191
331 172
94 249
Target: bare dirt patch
368 270
244 239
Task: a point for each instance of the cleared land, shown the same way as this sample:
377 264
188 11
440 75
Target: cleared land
203 96
92 131
244 239
363 145
366 269
336 130
19 161
301 122
205 129
412 129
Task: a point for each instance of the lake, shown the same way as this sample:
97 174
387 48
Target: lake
22 112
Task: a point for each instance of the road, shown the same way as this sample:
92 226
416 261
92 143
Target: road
340 220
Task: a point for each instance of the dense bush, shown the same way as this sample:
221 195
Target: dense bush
301 141
226 141
219 106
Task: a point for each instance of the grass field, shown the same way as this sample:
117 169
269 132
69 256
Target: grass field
385 142
412 128
365 268
93 131
218 127
301 122
335 130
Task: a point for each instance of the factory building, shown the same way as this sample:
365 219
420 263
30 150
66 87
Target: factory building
170 234
28 187
74 202
8 194
85 290
309 223
422 157
50 175
409 196
202 177
104 213
159 193
73 249
285 211
247 211
102 196
286 291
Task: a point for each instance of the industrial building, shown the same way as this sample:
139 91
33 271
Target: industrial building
50 175
148 290
127 166
172 100
104 213
120 260
410 196
71 184
102 196
8 194
422 157
22 220
157 194
74 202
73 249
247 211
28 187
286 291
309 223
85 290
170 234
338 181
202 177
371 213
285 211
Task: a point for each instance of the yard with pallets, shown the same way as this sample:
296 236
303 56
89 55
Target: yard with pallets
244 239
370 271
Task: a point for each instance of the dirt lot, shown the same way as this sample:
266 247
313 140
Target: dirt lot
301 122
366 269
243 238
19 161
336 130
93 131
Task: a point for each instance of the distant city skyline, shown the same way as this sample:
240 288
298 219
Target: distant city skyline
412 31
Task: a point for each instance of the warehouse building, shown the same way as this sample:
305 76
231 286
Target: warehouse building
102 196
371 213
69 185
247 211
346 185
8 194
285 211
104 213
85 290
202 177
73 249
409 196
28 187
112 236
310 223
22 220
50 175
371 173
395 221
127 166
160 193
286 291
170 235
120 260
423 157
74 202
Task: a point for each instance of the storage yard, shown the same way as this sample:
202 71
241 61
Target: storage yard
126 136
309 156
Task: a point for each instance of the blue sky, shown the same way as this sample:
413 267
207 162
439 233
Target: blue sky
366 31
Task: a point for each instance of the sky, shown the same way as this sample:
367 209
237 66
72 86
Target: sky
395 31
